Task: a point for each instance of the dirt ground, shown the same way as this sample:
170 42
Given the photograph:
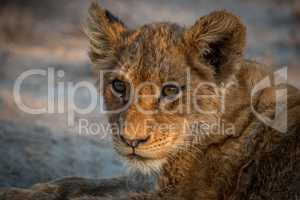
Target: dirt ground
42 34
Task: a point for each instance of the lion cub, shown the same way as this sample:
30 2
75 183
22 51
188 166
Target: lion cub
188 110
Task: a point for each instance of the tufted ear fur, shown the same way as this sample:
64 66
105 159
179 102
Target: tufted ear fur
220 39
104 32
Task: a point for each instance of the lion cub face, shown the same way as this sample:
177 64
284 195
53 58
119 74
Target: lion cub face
154 77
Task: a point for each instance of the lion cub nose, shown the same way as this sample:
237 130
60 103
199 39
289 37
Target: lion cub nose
135 142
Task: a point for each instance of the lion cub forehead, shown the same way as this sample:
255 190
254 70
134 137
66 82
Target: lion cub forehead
157 33
153 39
152 51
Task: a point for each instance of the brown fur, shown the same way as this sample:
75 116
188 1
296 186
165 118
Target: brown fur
253 162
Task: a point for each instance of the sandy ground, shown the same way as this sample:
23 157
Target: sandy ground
35 35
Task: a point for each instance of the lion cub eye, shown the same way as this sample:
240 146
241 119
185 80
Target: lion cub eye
171 91
119 86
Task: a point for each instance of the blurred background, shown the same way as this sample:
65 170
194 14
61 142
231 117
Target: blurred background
38 34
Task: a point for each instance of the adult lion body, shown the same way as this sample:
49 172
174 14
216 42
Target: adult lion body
247 158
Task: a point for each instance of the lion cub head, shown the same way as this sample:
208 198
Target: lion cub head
155 79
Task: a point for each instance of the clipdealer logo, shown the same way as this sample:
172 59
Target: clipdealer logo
61 96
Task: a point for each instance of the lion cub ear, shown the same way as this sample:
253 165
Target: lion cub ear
220 38
104 32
